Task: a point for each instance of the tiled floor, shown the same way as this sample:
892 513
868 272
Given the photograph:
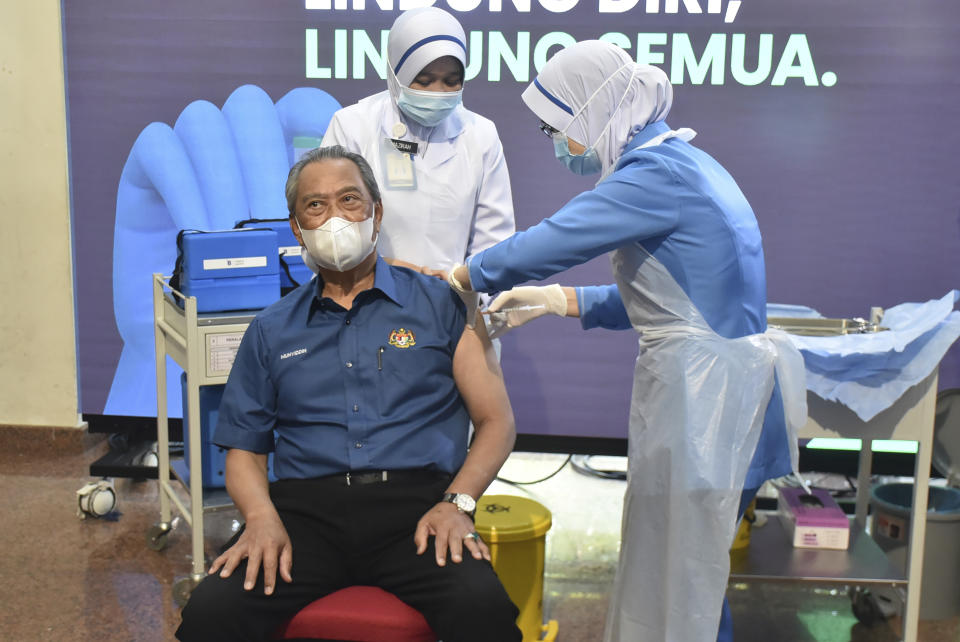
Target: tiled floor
65 579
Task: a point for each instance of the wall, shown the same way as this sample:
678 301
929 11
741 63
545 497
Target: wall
38 375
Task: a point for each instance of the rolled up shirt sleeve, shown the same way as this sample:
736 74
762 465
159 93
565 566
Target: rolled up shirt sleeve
248 411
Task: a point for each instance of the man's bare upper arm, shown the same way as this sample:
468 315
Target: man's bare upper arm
477 373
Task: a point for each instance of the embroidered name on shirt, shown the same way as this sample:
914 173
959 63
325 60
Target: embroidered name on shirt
294 353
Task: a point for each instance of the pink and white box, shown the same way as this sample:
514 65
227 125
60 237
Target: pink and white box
813 520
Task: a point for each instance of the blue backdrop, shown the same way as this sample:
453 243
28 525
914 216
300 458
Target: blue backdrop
837 119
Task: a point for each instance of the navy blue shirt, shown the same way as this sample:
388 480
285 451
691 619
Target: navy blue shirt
331 390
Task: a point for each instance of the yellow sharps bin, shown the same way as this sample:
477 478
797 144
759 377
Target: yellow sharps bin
515 529
742 539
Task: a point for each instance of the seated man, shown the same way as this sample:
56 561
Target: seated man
362 382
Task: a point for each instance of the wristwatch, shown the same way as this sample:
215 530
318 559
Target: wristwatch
462 501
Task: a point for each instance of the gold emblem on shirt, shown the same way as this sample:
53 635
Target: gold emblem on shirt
402 338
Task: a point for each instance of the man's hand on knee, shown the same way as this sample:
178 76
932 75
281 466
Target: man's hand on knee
452 531
263 542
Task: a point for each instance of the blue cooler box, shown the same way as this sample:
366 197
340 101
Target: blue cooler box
289 251
213 458
231 270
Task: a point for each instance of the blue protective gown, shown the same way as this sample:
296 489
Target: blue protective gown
689 214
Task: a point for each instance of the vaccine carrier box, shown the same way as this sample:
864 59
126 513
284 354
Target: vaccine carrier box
213 458
813 520
230 270
296 273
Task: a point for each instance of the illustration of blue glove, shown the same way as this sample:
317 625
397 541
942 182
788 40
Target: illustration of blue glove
213 168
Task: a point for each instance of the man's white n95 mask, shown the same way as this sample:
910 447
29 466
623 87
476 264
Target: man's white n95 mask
339 244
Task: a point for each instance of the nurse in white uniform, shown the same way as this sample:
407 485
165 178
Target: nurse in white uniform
446 191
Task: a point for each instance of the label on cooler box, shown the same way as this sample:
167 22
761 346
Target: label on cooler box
235 262
290 250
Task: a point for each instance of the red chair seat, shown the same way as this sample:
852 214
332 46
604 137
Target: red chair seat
359 613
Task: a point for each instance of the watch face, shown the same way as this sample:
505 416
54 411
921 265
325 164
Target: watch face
465 503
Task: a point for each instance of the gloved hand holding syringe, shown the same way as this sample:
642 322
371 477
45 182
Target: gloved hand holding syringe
520 305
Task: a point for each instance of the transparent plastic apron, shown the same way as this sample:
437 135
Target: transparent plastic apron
696 415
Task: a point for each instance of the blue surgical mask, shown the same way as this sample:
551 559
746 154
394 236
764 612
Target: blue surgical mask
428 108
584 164
589 162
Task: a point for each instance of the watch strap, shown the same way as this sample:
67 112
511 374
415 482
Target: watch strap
452 498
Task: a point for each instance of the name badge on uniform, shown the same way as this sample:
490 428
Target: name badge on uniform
405 146
397 162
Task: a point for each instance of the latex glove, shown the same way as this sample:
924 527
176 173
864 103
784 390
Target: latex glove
457 285
518 306
470 298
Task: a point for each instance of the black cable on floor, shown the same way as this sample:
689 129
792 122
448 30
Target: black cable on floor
536 481
583 467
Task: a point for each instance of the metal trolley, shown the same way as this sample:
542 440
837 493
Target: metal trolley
770 556
204 345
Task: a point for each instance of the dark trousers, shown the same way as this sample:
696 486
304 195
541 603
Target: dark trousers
361 534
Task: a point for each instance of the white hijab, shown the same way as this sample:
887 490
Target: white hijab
596 93
417 38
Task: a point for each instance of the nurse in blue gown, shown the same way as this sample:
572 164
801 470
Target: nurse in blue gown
707 423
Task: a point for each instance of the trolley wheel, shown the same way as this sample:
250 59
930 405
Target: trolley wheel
865 606
96 499
182 589
157 537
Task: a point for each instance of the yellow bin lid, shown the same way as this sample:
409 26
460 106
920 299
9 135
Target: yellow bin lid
506 518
